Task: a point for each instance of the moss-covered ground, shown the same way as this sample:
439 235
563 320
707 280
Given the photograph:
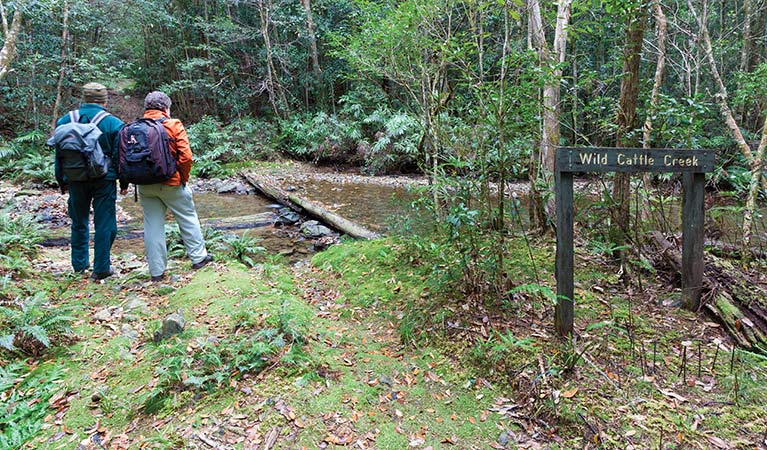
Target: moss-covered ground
360 349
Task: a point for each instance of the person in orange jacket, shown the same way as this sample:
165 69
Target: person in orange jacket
173 195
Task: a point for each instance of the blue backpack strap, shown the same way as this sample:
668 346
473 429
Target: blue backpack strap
99 117
74 116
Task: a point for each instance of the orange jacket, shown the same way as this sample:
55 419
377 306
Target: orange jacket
179 146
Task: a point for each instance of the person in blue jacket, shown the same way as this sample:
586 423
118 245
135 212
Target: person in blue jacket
100 193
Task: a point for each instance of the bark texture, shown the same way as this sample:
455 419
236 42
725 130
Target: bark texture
10 37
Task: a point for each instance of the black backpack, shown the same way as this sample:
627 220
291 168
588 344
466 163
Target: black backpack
78 150
144 152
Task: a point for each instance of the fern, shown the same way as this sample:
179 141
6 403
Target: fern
535 289
245 249
6 342
33 325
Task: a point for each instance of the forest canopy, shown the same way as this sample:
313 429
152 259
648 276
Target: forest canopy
434 86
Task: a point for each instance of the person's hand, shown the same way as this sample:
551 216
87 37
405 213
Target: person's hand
123 191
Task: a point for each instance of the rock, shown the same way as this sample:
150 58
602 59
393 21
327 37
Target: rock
312 228
173 324
99 394
287 217
129 317
128 332
137 305
232 188
503 439
107 314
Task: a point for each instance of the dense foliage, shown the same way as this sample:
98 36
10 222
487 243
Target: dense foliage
385 85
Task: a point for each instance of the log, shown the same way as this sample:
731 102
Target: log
726 250
304 206
57 237
728 295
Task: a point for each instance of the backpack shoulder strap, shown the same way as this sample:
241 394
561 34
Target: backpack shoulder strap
161 121
74 116
99 117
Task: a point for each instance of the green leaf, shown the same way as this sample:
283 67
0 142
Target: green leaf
6 342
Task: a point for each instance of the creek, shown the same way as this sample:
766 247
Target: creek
375 206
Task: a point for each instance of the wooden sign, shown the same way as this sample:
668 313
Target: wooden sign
634 160
692 163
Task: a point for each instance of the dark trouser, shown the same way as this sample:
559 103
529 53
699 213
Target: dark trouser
102 193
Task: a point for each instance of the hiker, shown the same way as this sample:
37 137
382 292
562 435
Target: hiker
172 194
87 188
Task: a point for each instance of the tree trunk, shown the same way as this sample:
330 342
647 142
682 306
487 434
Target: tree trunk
745 52
660 19
543 169
10 36
271 84
722 96
754 162
753 188
662 25
312 33
627 121
63 68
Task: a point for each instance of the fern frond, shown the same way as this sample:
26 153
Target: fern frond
535 289
37 332
6 342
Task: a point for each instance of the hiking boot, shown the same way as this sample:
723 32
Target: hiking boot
101 275
158 277
203 263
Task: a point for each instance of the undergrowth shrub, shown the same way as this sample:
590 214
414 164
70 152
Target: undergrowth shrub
215 240
19 239
24 402
320 138
215 145
33 325
26 159
395 143
255 344
245 248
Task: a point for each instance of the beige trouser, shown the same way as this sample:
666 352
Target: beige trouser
156 200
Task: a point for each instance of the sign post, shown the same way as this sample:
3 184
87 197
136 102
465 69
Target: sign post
692 163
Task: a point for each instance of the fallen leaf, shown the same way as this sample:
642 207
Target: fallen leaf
719 443
570 393
673 395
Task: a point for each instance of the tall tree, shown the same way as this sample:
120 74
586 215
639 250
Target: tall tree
63 68
551 60
627 117
272 84
10 36
660 66
311 32
754 162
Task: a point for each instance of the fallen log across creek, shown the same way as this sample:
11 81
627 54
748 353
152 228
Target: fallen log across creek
58 237
304 206
739 304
